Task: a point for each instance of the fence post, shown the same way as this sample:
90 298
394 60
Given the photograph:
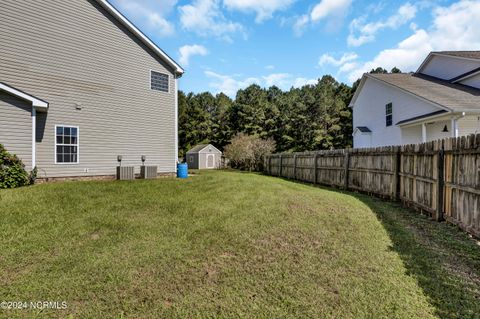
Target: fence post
347 166
315 167
280 167
396 174
440 183
295 166
270 165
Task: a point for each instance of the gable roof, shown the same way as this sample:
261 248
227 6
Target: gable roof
141 36
200 147
453 97
469 55
36 102
461 54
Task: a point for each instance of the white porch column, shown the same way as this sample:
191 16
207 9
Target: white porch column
424 133
34 131
454 127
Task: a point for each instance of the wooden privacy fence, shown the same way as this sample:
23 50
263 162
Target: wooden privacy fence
441 178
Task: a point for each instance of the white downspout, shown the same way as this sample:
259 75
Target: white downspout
176 122
424 133
34 130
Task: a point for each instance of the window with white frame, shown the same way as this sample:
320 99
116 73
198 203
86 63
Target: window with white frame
190 159
66 144
389 114
159 81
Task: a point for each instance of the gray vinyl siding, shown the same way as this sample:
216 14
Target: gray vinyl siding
193 164
16 127
69 52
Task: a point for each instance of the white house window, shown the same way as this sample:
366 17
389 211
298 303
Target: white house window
66 144
190 159
159 81
389 114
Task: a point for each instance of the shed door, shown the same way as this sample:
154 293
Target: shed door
210 161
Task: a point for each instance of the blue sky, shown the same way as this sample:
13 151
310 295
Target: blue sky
225 45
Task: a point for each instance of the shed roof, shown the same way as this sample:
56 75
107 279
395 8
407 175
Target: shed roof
363 129
200 147
36 102
455 97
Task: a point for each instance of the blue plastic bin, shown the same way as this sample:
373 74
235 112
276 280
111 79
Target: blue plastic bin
182 170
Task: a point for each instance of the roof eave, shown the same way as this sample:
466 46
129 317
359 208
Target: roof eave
38 104
149 43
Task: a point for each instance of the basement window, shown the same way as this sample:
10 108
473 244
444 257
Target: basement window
389 114
66 144
158 81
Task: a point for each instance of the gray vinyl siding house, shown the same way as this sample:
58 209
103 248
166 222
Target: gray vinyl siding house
204 156
93 69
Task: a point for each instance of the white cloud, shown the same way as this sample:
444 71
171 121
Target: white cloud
367 31
328 8
188 51
278 79
300 24
152 14
230 84
205 18
326 59
333 11
270 67
264 9
299 82
456 27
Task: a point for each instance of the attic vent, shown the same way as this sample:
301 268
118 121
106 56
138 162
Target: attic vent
159 81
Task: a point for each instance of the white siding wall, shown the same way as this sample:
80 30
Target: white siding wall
469 125
369 111
434 130
474 81
412 135
446 68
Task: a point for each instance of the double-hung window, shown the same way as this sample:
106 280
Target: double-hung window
389 114
66 144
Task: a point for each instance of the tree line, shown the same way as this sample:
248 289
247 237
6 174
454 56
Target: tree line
312 117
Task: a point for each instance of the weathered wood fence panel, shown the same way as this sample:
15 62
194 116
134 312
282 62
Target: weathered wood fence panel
441 178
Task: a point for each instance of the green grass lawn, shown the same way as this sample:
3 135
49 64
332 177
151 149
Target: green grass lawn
229 244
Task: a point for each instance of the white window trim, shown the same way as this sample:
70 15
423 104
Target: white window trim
387 114
78 144
150 81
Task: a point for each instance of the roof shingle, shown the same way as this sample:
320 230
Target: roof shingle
456 97
463 54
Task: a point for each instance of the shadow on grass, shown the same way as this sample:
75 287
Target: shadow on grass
444 260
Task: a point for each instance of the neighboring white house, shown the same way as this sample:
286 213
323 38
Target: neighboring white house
440 100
